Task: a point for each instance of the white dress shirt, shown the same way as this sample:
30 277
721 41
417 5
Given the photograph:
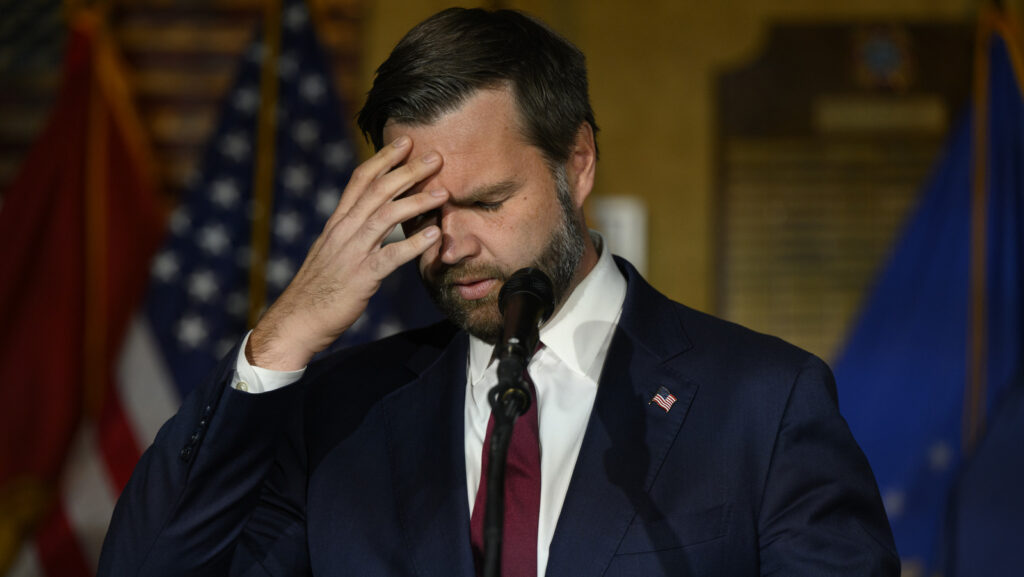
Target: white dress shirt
565 374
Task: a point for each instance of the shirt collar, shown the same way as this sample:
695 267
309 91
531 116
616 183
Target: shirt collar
576 333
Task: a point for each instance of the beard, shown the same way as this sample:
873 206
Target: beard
559 259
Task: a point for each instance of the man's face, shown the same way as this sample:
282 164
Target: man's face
507 210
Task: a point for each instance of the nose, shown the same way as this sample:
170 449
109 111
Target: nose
458 241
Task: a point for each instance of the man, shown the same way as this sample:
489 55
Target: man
670 442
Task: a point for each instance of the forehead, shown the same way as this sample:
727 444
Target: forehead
479 141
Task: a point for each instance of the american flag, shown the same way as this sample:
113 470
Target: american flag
196 307
199 297
663 398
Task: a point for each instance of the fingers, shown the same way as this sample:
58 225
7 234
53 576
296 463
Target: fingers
380 163
377 180
396 212
394 184
388 258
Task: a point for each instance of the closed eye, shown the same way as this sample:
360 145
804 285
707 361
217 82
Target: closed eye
488 206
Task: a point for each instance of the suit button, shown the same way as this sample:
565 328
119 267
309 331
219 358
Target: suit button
207 410
186 453
203 422
194 438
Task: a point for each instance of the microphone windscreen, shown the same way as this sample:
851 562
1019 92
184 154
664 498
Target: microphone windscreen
532 282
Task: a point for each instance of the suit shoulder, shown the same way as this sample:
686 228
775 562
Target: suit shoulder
716 334
648 312
398 350
764 367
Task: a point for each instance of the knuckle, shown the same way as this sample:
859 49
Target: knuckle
374 189
359 173
378 266
391 252
386 213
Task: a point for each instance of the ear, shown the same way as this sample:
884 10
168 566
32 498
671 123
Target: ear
582 164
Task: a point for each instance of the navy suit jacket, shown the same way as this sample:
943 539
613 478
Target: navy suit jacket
359 468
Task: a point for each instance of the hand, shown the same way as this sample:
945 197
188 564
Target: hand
346 264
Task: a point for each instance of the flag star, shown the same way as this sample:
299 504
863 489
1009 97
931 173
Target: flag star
313 88
288 226
166 266
327 200
337 155
287 66
279 272
297 179
181 221
306 133
202 285
235 146
192 331
224 192
894 501
295 17
213 239
940 456
247 100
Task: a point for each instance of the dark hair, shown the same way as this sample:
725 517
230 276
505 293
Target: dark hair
448 57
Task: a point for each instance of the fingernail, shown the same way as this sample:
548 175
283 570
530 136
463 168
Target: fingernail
431 158
431 232
400 142
439 193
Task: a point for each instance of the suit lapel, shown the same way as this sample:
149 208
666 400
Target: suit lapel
425 428
627 436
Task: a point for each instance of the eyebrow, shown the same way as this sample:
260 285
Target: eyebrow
489 192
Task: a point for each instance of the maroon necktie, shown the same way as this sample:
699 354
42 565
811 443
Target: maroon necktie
522 498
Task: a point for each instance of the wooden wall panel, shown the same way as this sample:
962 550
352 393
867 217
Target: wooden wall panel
824 141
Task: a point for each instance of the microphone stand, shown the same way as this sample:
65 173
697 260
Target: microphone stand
509 400
525 300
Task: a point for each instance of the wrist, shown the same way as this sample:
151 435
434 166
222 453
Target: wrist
267 348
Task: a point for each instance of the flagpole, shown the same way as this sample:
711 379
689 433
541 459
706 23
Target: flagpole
993 21
974 409
263 174
97 179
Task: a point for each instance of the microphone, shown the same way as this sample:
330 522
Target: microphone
526 300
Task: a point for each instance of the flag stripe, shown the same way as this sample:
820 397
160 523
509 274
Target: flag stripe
144 385
117 443
26 563
665 402
57 548
87 494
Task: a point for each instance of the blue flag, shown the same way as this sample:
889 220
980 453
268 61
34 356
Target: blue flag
904 370
198 303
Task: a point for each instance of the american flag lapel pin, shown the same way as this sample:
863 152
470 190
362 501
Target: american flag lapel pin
663 398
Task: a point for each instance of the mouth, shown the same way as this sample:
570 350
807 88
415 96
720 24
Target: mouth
475 289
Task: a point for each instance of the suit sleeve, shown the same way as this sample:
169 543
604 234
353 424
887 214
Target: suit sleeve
207 498
821 512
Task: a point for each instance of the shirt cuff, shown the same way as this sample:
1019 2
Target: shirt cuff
252 379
